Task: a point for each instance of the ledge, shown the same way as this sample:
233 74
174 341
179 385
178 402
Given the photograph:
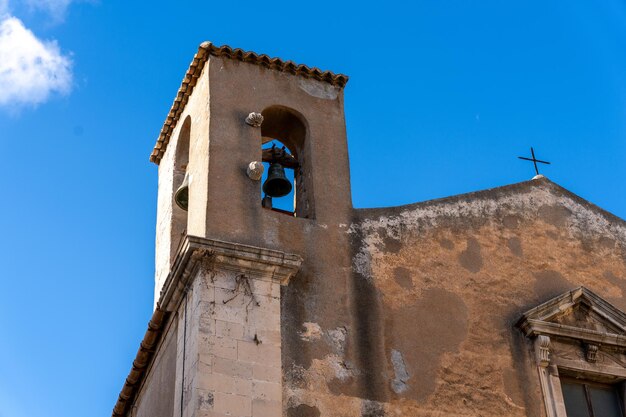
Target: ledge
539 320
537 327
258 263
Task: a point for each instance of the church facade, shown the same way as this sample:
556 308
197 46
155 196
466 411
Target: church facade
502 302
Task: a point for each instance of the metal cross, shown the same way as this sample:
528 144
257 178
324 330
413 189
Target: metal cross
535 160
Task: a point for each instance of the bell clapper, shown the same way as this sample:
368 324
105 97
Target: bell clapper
266 202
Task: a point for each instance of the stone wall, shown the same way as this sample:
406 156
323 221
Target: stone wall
405 311
421 323
224 300
173 222
234 361
436 290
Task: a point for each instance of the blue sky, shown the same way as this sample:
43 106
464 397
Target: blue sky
442 98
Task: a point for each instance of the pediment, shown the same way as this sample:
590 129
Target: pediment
578 314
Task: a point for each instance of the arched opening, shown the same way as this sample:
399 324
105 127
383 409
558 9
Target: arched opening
282 177
181 161
284 143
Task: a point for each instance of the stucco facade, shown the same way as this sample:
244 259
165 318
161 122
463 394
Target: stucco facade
343 312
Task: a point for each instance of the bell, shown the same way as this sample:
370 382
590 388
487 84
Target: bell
276 184
182 194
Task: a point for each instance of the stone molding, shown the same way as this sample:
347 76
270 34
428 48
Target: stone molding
195 252
255 170
591 353
575 349
543 351
537 322
536 328
254 119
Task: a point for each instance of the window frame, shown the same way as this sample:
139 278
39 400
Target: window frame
575 350
617 388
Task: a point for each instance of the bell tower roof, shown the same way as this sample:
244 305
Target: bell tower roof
207 49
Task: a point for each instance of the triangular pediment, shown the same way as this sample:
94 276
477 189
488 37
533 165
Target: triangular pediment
577 314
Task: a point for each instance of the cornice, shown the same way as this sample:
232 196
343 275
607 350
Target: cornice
537 321
537 327
258 263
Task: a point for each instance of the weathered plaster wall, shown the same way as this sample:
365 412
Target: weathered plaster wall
156 399
172 222
403 311
435 291
234 211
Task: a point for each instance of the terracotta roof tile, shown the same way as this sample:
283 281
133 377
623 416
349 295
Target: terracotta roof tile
195 68
140 364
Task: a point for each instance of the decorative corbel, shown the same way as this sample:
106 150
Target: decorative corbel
542 350
255 170
591 352
254 119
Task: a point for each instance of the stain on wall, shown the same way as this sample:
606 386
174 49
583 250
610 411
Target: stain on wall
435 291
512 389
446 244
422 333
556 215
549 283
515 246
470 258
372 409
303 410
403 277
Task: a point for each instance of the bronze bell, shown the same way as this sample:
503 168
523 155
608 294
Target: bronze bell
182 194
276 184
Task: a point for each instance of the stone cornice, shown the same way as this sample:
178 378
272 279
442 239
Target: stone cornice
538 321
207 49
536 327
258 263
557 305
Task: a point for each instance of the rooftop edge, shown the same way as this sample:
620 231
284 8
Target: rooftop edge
190 79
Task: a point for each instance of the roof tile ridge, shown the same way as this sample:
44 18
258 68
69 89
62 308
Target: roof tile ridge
197 64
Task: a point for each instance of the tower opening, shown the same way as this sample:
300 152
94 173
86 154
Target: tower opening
284 153
181 162
278 182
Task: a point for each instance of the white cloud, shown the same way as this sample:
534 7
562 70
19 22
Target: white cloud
30 69
55 8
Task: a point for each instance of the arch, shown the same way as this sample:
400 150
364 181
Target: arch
286 126
181 161
182 146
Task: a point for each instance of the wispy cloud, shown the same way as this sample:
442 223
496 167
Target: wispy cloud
31 69
55 8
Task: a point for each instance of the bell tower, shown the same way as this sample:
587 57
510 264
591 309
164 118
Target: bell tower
225 254
231 103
